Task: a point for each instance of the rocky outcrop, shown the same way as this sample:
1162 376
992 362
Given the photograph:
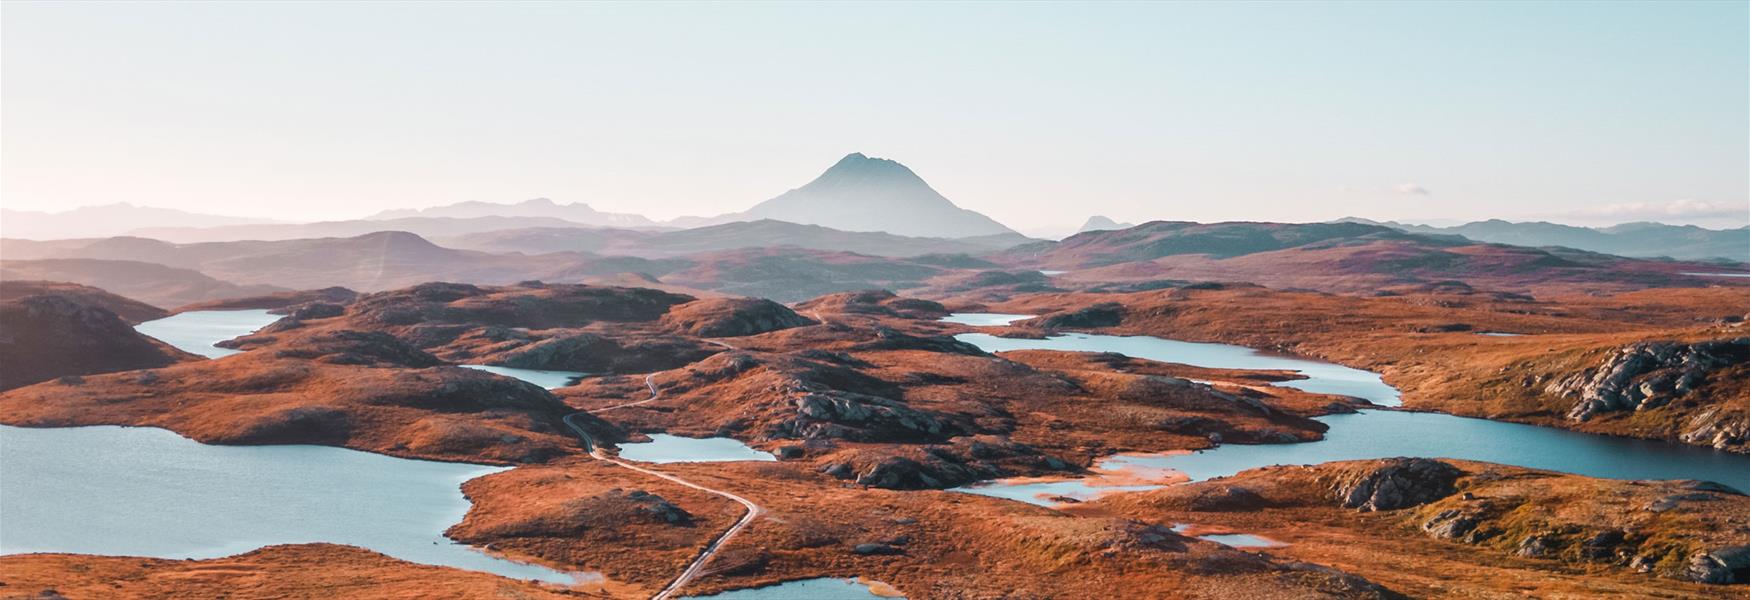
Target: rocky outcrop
887 338
1399 483
282 302
1720 566
731 317
964 460
1719 427
46 336
340 347
548 306
611 509
874 302
131 311
592 353
1648 375
837 414
1107 314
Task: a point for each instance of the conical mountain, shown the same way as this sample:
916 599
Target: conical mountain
875 194
1103 223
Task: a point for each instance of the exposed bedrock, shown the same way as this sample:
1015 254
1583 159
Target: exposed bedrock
1398 483
731 317
1647 375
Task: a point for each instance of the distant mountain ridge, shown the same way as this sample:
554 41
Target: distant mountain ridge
1341 257
575 212
104 221
1638 240
859 193
763 233
423 226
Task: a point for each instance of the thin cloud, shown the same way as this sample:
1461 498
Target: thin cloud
1402 188
1683 207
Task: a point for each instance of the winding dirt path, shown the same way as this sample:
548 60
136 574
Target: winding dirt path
698 565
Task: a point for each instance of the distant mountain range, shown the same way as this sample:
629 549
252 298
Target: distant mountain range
103 221
148 282
868 194
1641 240
728 236
1343 257
173 275
576 212
423 226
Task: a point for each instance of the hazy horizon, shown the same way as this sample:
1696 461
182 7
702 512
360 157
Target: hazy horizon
1037 115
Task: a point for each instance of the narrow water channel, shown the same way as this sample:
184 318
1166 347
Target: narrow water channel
1364 435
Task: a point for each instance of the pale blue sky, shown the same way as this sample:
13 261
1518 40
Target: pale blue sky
1036 114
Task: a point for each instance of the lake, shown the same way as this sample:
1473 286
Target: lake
821 588
1321 377
195 332
546 379
138 491
665 448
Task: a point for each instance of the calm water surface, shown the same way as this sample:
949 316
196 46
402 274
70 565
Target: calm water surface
665 448
823 588
985 319
139 491
1367 434
195 332
546 379
1321 377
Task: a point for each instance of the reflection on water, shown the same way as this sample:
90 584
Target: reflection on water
546 379
149 492
1237 540
195 332
665 448
822 588
1321 377
984 319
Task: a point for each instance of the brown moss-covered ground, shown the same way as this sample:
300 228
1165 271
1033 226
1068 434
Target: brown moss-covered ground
1587 532
301 571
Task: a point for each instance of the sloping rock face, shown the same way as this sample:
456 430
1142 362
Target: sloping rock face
132 311
964 460
1725 565
1647 375
339 347
593 353
534 307
731 317
1107 314
43 337
1718 427
874 302
1400 483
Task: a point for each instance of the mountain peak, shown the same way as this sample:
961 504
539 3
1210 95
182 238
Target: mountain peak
859 193
1103 223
